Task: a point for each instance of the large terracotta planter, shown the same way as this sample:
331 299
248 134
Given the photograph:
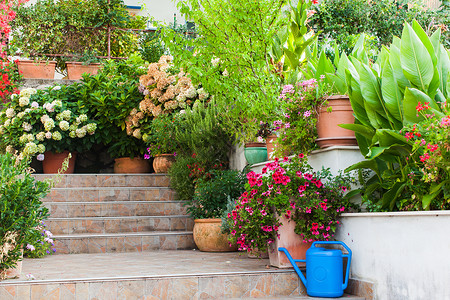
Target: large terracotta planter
328 131
162 162
127 165
208 236
53 162
76 69
289 240
37 69
255 153
270 144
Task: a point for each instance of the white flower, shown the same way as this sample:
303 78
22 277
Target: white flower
27 126
191 93
13 96
34 104
44 118
137 133
24 101
83 118
9 149
64 125
48 135
30 149
10 112
66 115
56 136
7 123
48 233
225 73
40 157
81 132
91 127
57 103
28 92
50 107
23 139
30 276
56 87
72 134
41 148
30 247
40 136
215 62
49 124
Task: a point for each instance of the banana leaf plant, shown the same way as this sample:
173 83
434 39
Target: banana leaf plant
384 95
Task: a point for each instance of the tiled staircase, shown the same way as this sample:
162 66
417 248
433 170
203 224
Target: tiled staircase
116 213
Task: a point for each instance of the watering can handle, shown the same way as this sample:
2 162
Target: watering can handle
349 257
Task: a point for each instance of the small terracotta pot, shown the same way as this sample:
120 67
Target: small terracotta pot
270 144
208 236
127 165
162 162
328 131
53 162
37 70
76 69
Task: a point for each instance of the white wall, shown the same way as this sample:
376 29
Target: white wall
405 254
160 10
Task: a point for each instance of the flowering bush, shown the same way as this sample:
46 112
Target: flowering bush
297 130
39 243
165 91
45 120
291 189
430 180
9 78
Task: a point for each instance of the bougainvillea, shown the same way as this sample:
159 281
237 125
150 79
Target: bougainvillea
288 188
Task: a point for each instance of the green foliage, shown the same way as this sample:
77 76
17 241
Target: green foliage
181 176
21 208
110 96
161 139
47 120
385 95
230 57
151 47
211 196
39 243
73 27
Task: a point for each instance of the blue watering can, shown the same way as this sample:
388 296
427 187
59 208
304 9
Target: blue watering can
323 270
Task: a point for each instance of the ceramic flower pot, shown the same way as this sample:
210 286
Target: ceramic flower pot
53 162
289 240
76 69
127 165
328 131
270 144
208 236
37 69
162 162
255 153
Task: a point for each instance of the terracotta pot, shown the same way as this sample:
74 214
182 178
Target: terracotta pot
255 153
76 69
53 162
328 131
208 236
289 240
127 165
162 162
37 70
270 144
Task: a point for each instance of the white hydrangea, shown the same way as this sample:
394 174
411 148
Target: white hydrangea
27 126
56 87
191 92
34 104
28 92
57 103
7 123
10 112
23 139
30 148
56 136
44 118
91 127
40 136
137 133
9 149
72 134
24 101
81 132
202 94
83 118
58 117
14 96
181 98
49 125
21 115
41 148
66 115
48 135
64 125
50 107
2 130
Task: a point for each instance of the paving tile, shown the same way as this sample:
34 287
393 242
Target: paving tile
103 290
131 289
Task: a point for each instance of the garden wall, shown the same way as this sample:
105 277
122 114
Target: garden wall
404 254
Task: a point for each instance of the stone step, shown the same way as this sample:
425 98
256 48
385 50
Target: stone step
119 224
96 194
123 242
108 180
115 208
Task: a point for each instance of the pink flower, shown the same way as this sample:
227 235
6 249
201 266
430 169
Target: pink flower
424 157
308 210
30 247
287 125
306 114
299 174
263 212
432 147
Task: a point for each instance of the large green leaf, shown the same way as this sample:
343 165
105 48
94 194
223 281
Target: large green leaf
370 88
356 99
410 102
417 63
366 131
388 137
390 197
391 93
394 60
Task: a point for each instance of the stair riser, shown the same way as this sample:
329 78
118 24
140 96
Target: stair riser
109 180
116 194
111 209
124 244
120 225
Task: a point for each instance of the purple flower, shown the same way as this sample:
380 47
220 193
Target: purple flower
174 154
40 157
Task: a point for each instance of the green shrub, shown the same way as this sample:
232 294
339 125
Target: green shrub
21 209
181 179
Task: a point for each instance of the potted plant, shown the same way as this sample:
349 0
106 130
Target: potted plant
20 197
77 65
208 205
47 123
288 201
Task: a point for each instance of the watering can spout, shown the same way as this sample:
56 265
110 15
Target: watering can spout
293 262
